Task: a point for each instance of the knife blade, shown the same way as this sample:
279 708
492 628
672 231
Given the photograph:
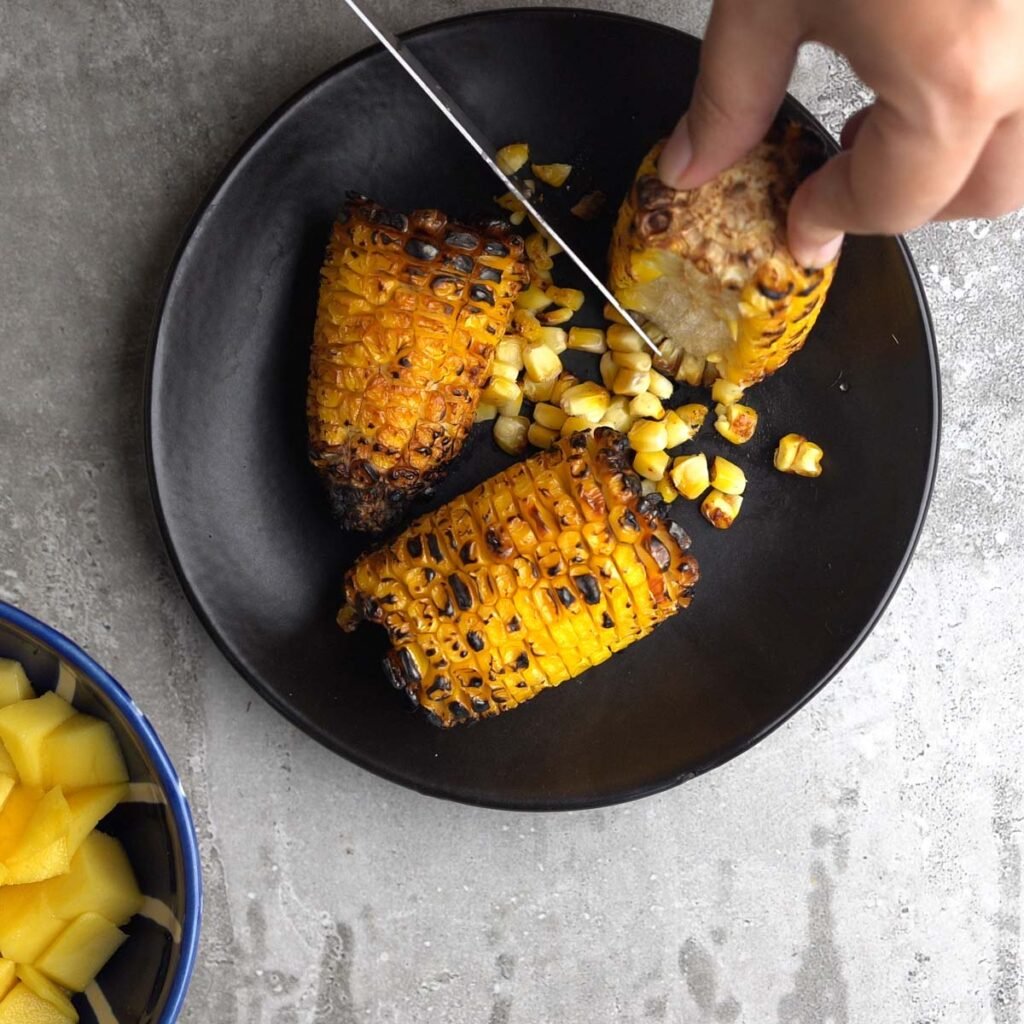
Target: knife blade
486 150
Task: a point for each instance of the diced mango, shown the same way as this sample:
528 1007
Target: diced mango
7 784
7 977
41 851
6 764
22 1006
100 880
18 809
79 953
46 990
28 923
14 684
24 726
88 808
81 752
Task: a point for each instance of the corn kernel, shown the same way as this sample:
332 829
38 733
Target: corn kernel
631 382
552 174
721 510
537 390
574 423
500 369
612 315
617 415
509 201
667 491
529 326
510 351
808 460
541 437
517 217
570 298
588 400
727 477
513 157
640 361
795 454
690 475
646 406
513 407
587 339
691 369
785 454
553 247
548 415
736 423
554 317
532 299
485 411
553 337
562 384
678 431
648 436
510 433
660 386
608 368
725 392
500 390
693 415
651 465
541 363
624 339
537 251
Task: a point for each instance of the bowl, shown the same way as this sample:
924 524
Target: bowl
146 980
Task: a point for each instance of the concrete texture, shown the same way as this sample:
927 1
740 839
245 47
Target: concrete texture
862 865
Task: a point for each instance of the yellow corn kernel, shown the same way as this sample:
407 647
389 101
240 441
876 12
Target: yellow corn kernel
721 510
785 454
541 363
624 339
667 491
537 251
648 487
529 326
678 431
725 392
660 386
587 339
501 390
646 406
690 475
795 454
574 423
617 415
541 437
612 315
691 369
553 247
588 400
554 317
640 361
727 477
608 369
651 465
500 369
510 434
553 337
552 174
510 351
808 460
513 407
693 415
648 436
548 415
570 298
540 278
513 157
517 217
485 411
509 201
565 381
631 382
532 299
537 390
736 423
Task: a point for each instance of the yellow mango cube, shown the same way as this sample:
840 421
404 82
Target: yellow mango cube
7 784
88 808
81 752
6 764
24 726
28 923
22 1006
17 811
41 851
100 880
47 991
14 684
7 977
80 951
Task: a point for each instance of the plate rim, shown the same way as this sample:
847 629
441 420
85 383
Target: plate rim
541 803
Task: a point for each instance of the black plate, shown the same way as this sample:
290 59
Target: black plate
787 595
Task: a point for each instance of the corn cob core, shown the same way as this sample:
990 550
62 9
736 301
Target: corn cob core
531 578
710 266
410 311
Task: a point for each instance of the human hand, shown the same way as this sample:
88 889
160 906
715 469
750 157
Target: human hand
944 138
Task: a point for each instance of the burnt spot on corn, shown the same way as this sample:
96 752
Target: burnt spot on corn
589 588
481 293
463 598
522 662
469 553
660 553
475 640
415 547
607 622
434 548
565 595
513 625
489 274
410 671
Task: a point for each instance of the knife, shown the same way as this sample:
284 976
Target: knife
487 152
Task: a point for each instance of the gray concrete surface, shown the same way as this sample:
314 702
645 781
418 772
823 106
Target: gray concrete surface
862 865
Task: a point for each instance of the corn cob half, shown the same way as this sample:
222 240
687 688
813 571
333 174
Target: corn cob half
710 268
410 311
529 579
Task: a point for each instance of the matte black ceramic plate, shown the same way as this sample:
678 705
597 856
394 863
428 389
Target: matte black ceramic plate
786 595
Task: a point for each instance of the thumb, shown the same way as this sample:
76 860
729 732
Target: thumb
746 59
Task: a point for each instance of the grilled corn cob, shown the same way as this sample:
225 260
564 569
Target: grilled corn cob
710 266
410 311
531 578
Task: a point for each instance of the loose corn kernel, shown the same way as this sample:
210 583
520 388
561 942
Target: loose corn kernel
513 407
736 423
562 384
633 361
727 477
509 351
678 431
541 437
537 390
537 251
721 510
648 436
540 278
587 339
529 326
651 465
570 298
608 368
509 201
631 382
690 475
624 339
548 415
554 317
691 369
617 415
660 386
510 433
553 247
500 390
553 337
725 392
795 454
516 218
574 423
485 411
588 400
532 299
500 369
513 157
666 490
646 406
541 363
552 174
612 314
693 415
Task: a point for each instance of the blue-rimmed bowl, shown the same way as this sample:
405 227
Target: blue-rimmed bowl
146 980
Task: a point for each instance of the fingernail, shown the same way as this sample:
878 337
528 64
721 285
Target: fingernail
677 155
816 258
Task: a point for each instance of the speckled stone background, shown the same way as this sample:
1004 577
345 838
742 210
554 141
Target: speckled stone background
861 865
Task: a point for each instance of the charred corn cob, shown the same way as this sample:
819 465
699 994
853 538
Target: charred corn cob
410 311
710 266
536 575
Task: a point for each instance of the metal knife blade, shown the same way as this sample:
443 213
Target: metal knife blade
487 152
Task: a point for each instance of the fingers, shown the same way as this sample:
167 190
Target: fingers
995 186
896 177
747 57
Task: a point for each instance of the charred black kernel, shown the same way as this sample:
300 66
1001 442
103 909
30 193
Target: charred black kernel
579 441
461 240
588 587
447 611
489 274
651 191
440 686
679 535
773 293
468 553
458 711
371 470
388 599
565 596
657 222
522 662
521 686
500 698
463 264
433 717
383 238
430 651
435 548
450 537
651 505
628 520
370 609
475 640
631 483
554 570
444 284
391 218
662 559
420 250
474 682
463 598
429 575
689 590
494 540
479 704
409 669
606 621
481 293
495 248
415 547
393 672
514 625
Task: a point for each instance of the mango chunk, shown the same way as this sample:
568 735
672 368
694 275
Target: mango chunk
14 684
80 951
82 752
45 989
28 923
41 851
6 764
88 808
7 977
17 812
100 880
7 784
22 1006
24 726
